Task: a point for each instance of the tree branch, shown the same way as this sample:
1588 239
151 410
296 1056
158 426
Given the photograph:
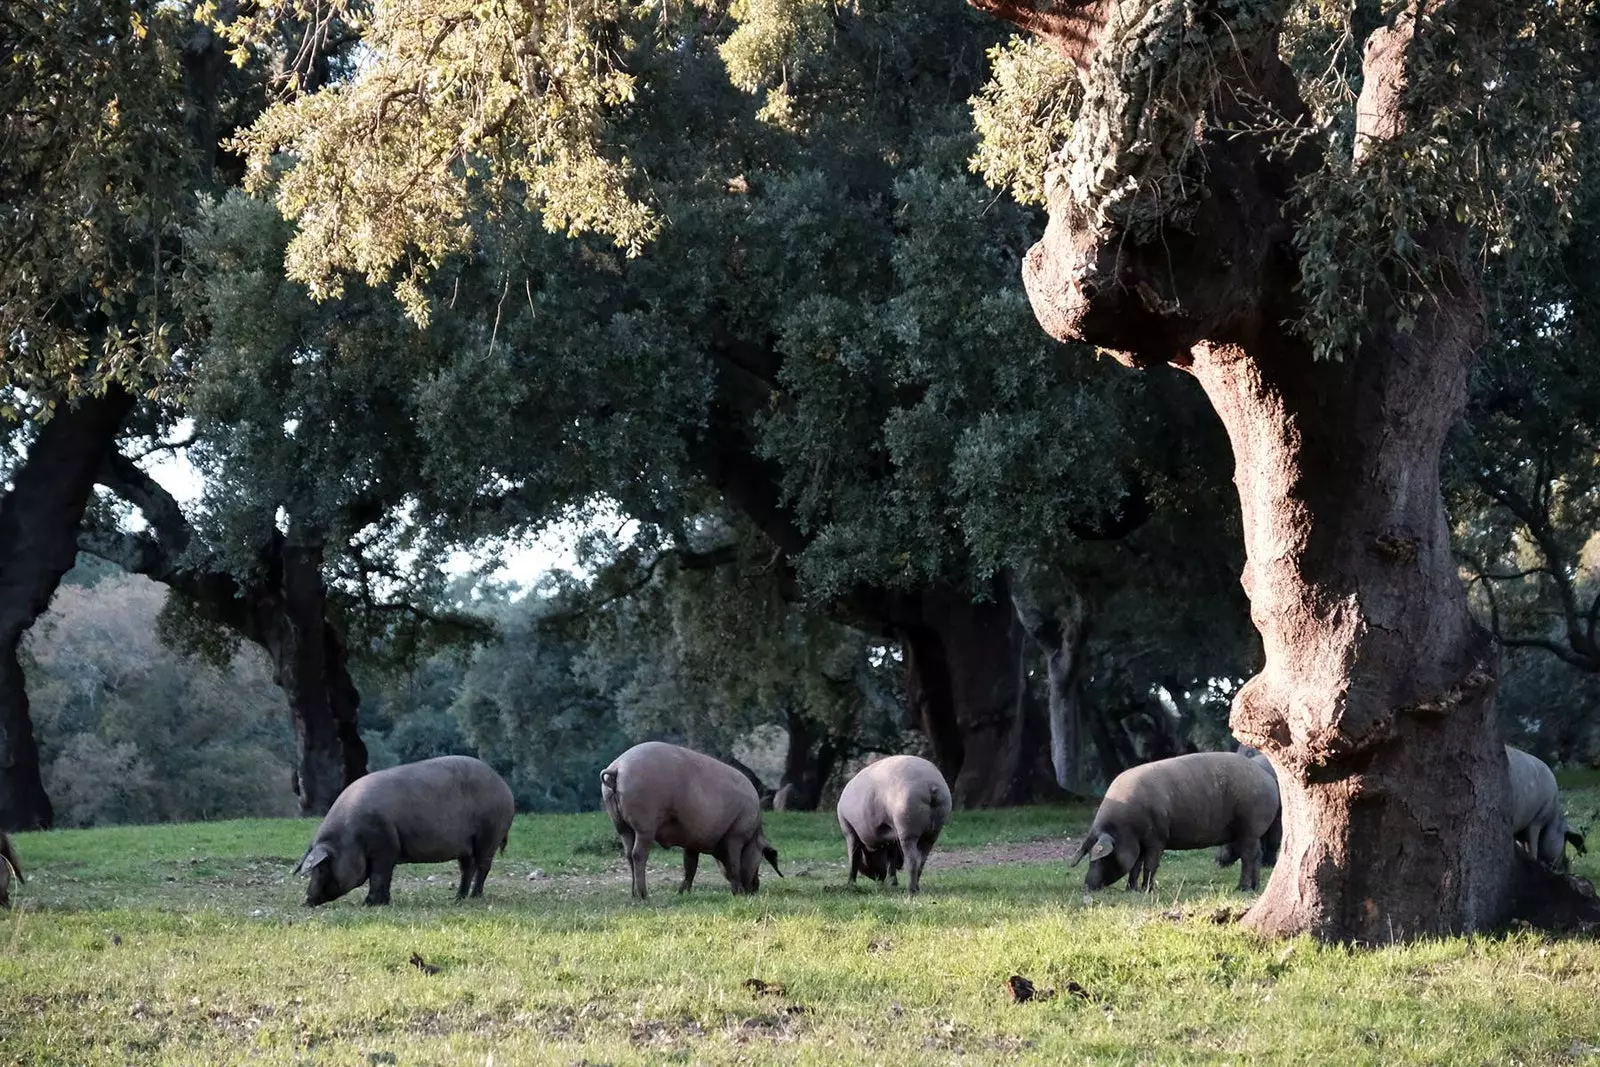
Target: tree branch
1072 28
161 510
134 553
1536 520
1572 656
688 559
1560 651
168 446
453 620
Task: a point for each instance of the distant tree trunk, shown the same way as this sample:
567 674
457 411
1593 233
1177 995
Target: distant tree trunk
751 776
284 610
282 607
310 664
39 519
964 683
1057 618
1376 702
809 761
1112 749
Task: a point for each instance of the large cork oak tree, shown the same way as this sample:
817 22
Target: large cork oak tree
1178 234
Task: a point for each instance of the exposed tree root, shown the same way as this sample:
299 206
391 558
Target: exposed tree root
1552 901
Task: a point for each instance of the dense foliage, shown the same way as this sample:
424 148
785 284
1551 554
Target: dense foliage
736 282
132 731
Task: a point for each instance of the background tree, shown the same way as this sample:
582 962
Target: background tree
1525 484
830 345
133 731
708 650
112 115
302 423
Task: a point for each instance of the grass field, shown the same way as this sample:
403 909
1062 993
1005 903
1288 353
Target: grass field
187 945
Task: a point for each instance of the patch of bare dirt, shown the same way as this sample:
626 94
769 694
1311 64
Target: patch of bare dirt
1052 850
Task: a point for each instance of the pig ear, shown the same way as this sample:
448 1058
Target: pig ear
772 858
314 855
1575 839
1103 847
1083 849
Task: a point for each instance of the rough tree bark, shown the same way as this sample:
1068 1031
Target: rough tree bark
39 520
282 607
1168 245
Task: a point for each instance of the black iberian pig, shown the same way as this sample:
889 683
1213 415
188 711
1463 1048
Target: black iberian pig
1194 801
1536 819
8 867
434 810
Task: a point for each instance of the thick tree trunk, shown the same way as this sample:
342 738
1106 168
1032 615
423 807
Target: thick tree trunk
311 668
39 519
284 610
809 761
965 684
1169 244
1378 690
24 805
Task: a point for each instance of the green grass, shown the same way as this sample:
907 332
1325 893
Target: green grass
187 945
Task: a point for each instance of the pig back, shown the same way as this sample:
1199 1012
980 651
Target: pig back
1533 788
684 798
1198 800
904 792
435 807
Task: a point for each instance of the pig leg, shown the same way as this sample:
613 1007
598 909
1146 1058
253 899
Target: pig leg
1134 872
691 863
1151 857
482 857
911 849
852 851
626 835
467 870
730 857
924 846
381 844
1249 850
1535 835
638 853
382 876
1552 845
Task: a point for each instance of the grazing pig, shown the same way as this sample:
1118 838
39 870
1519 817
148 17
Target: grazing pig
891 814
661 794
447 808
1273 838
1193 801
1536 819
8 866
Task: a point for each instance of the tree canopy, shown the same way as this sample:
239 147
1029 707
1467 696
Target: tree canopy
403 280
